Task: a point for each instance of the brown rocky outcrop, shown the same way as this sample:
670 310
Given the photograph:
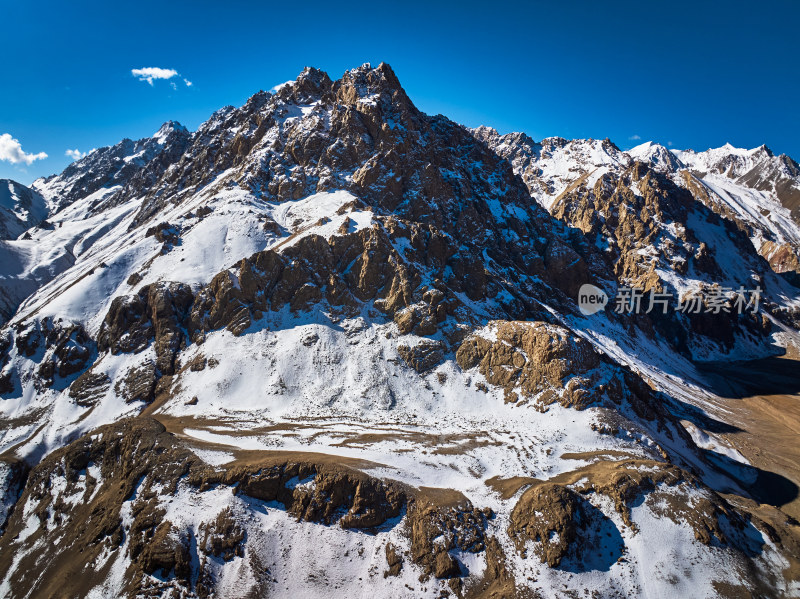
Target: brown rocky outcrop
165 233
631 222
423 356
626 482
548 363
435 530
138 383
134 457
60 348
457 198
155 313
549 514
89 387
343 271
533 357
139 462
497 580
648 222
394 560
166 552
781 257
223 537
334 494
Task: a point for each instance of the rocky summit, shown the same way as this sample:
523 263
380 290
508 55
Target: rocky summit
329 345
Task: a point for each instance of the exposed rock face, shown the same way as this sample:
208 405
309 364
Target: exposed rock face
348 131
782 257
114 166
224 537
651 226
363 134
497 580
712 518
6 341
758 169
629 213
554 165
13 474
551 364
135 466
68 351
394 560
139 383
533 357
166 552
556 521
155 313
124 456
166 233
365 502
434 245
59 349
436 530
778 245
423 356
343 272
542 165
89 387
551 515
566 267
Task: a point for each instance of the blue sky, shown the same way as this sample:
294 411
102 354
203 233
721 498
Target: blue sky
693 74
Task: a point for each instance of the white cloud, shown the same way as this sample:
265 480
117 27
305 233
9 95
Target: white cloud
187 82
75 154
634 137
11 150
150 73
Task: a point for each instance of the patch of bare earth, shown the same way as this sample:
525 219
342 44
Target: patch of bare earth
762 400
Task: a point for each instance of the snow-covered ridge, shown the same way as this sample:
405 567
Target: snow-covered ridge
755 188
106 168
20 209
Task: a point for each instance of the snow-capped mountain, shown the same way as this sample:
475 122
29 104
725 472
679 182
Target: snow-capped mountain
328 341
758 191
42 253
20 209
552 165
106 170
657 156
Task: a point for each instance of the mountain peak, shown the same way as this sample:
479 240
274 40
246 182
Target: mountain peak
369 80
656 155
309 86
491 136
166 129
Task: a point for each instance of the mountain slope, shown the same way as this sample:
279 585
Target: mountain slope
756 189
328 341
104 170
20 209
